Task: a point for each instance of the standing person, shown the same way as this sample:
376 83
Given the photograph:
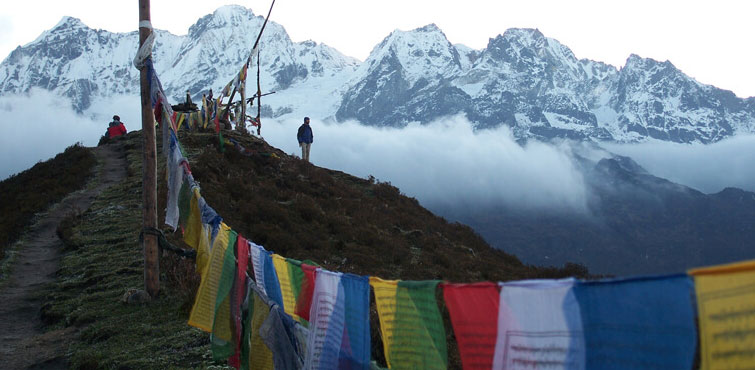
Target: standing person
116 128
305 138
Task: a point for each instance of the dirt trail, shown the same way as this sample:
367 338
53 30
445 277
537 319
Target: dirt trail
23 344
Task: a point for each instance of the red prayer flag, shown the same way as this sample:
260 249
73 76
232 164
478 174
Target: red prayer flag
474 316
239 286
304 301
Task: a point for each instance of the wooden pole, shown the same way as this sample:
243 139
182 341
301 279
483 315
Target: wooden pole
149 168
259 95
241 121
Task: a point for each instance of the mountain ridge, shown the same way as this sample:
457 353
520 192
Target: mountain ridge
522 79
636 223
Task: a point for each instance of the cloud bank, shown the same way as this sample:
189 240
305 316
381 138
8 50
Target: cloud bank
445 163
39 125
708 168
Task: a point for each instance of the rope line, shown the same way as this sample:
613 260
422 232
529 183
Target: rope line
165 244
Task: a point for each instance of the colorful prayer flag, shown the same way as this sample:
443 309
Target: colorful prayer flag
296 275
640 323
193 230
222 335
203 313
256 252
410 324
238 293
175 180
474 316
339 334
260 356
284 279
272 286
181 117
304 300
539 326
726 315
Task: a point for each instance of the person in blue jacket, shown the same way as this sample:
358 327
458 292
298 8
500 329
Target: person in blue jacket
305 138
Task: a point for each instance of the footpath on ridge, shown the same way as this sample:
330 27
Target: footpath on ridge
23 342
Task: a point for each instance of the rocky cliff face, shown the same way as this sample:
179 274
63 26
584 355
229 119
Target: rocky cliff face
522 79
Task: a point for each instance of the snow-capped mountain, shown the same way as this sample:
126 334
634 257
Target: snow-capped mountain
404 79
537 86
74 60
522 79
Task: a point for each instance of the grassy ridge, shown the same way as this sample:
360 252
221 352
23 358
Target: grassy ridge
32 191
300 211
103 260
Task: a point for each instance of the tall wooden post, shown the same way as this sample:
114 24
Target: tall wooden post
149 170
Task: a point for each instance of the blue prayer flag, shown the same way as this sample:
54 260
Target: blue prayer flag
272 286
355 347
641 323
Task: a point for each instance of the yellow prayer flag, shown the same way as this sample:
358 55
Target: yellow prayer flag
260 356
726 315
222 328
203 313
203 250
385 300
193 231
284 278
181 118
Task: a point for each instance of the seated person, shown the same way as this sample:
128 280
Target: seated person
115 128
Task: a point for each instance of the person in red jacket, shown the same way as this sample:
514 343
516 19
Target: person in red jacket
116 128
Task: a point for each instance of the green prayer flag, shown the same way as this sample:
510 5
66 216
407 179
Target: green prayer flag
296 275
419 338
221 338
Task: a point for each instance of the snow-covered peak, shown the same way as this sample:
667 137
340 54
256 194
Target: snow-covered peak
424 52
231 15
68 23
322 59
228 16
66 27
525 47
636 62
658 75
524 37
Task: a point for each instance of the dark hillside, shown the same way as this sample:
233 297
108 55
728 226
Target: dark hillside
342 222
32 191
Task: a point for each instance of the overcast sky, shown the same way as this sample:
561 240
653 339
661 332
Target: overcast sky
712 41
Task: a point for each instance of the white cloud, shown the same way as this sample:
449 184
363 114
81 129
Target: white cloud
445 163
708 168
39 125
442 164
